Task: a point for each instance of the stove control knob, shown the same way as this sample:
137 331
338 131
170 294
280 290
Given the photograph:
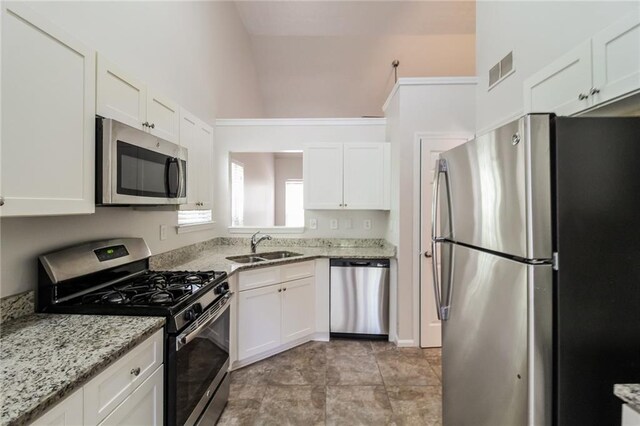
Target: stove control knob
190 315
197 308
222 288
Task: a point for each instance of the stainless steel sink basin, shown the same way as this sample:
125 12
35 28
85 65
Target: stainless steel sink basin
261 257
246 259
278 255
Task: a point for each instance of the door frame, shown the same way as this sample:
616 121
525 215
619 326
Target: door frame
417 219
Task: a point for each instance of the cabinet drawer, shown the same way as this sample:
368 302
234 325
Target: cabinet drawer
256 278
295 271
104 393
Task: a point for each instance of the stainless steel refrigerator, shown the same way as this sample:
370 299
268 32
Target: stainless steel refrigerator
537 245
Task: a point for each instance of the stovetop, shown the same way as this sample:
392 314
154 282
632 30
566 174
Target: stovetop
154 288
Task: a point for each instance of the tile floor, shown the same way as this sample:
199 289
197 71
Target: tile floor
342 382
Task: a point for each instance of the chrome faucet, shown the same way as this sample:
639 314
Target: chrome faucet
255 240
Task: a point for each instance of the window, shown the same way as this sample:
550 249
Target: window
294 203
237 193
193 217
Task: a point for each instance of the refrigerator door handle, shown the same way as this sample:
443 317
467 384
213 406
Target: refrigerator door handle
441 167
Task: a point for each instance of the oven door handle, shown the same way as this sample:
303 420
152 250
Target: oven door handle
184 340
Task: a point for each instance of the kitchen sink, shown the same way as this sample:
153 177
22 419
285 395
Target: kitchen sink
278 255
246 259
261 257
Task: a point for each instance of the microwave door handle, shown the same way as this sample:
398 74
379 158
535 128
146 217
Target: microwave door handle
181 179
167 177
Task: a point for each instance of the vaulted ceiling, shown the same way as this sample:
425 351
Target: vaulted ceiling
333 58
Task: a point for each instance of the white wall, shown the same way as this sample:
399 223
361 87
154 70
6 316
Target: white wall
538 33
259 187
287 166
196 53
287 135
418 105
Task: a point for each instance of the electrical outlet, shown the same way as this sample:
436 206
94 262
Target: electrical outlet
348 224
367 224
313 223
333 224
163 232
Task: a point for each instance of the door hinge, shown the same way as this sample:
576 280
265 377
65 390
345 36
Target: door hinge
554 260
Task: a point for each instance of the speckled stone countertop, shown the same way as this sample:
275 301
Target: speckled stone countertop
215 257
629 393
44 357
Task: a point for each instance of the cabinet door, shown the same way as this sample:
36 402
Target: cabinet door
48 118
298 309
204 165
144 406
65 413
163 116
322 172
616 60
120 96
188 135
364 176
563 86
259 320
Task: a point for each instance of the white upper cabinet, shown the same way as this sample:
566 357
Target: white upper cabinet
125 98
48 118
120 96
352 176
197 137
163 116
616 60
563 86
322 176
603 68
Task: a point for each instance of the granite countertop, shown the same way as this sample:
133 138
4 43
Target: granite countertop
629 393
45 357
215 257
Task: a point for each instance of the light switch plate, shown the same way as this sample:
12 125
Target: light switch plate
313 223
163 232
333 224
367 224
348 224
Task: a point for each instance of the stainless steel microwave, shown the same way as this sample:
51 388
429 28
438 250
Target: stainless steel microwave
134 167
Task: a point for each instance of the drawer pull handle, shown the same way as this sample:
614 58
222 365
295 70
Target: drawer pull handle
135 371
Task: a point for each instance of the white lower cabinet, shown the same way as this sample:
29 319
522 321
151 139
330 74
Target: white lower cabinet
144 406
65 413
630 417
276 314
130 391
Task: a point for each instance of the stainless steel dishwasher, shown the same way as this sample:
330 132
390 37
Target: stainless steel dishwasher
360 297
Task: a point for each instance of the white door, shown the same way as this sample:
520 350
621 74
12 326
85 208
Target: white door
204 165
188 139
364 174
616 60
430 149
163 116
48 118
119 95
259 320
298 309
322 173
144 406
562 87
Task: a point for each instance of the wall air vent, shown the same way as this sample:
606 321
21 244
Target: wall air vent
501 70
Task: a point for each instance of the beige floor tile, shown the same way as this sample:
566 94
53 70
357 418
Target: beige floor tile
257 373
416 405
353 370
292 405
341 347
398 369
358 405
239 412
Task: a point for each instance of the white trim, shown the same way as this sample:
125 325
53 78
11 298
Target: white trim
427 81
499 123
270 229
322 336
407 343
229 122
183 229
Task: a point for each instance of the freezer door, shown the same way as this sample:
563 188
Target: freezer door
499 186
496 354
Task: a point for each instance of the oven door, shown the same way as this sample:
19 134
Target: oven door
202 361
140 168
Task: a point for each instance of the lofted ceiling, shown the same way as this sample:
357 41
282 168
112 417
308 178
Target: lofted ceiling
333 58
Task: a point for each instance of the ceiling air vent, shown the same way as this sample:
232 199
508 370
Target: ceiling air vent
501 70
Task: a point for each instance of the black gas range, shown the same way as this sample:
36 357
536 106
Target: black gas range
112 277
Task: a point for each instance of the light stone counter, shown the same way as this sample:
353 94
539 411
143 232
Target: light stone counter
629 393
45 357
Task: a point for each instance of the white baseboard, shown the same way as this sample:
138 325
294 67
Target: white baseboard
408 343
321 337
